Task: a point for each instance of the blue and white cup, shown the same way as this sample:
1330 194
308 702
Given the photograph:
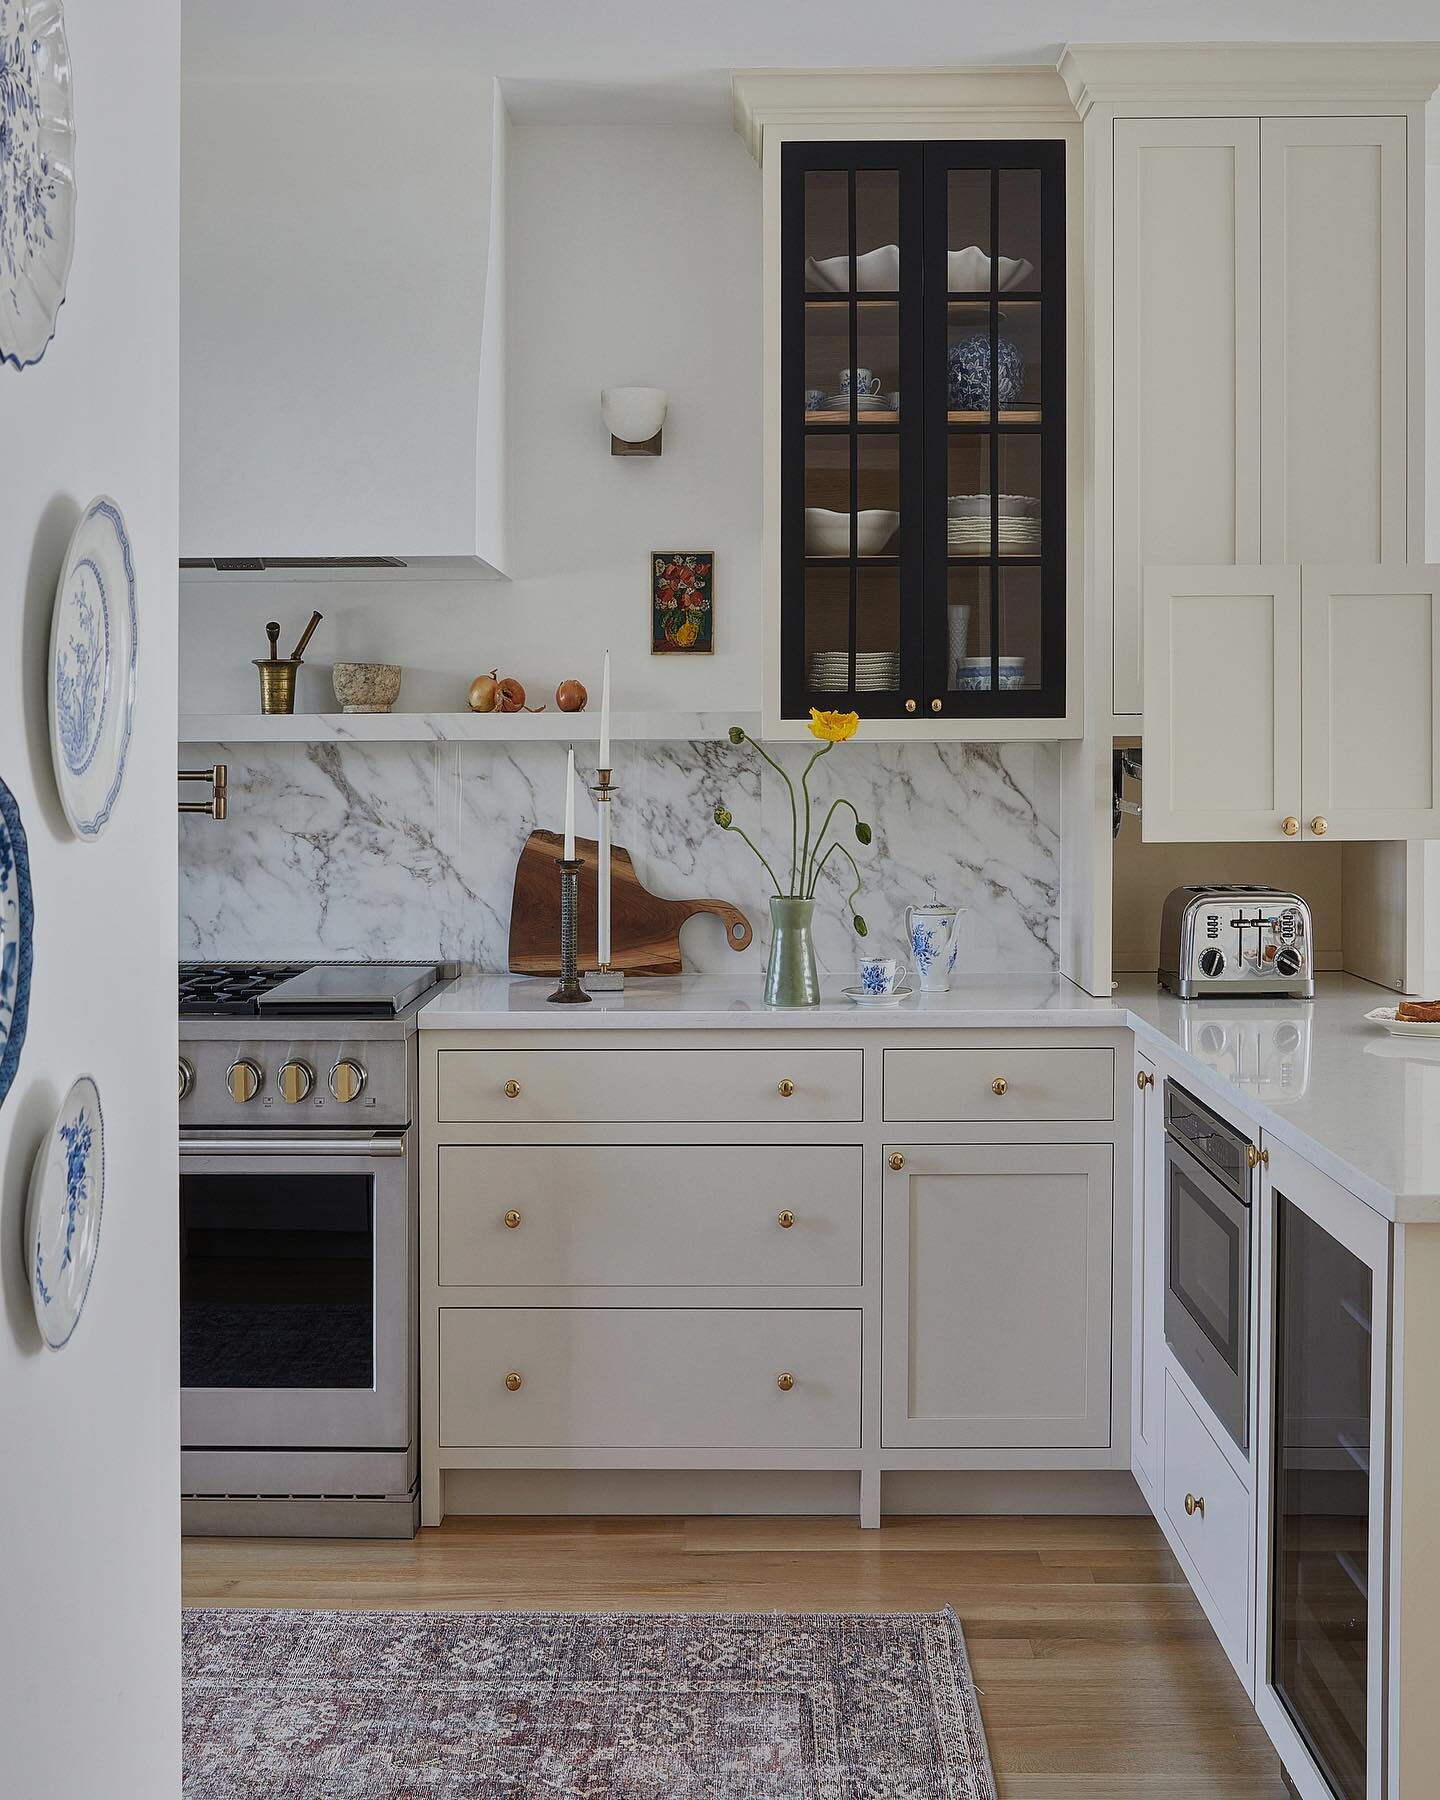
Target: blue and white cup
880 975
861 380
814 399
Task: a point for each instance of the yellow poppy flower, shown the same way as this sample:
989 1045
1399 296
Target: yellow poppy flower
834 727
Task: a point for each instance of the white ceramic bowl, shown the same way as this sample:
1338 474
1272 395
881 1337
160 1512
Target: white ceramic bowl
874 270
968 271
972 674
828 533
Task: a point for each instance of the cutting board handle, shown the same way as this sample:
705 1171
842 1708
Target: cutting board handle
738 931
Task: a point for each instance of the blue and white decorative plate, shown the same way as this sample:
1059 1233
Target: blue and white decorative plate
92 667
16 924
62 1219
37 176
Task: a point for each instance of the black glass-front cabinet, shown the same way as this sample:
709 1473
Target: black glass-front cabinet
923 435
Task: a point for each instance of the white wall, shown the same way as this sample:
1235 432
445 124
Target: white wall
89 1479
634 256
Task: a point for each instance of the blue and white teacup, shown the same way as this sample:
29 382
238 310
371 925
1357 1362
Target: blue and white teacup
861 380
814 399
881 974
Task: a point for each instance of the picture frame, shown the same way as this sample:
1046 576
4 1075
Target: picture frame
682 602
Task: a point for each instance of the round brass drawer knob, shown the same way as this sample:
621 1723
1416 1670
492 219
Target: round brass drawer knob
512 1090
513 1381
935 705
1290 826
999 1085
787 1219
785 1088
1143 1080
785 1382
897 1160
1319 825
1194 1505
512 1219
910 706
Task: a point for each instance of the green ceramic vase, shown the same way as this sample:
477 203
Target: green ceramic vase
792 977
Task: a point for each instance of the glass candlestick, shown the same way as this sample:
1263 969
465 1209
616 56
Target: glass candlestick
570 992
602 978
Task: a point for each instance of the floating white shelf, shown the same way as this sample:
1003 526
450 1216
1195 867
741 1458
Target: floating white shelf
549 726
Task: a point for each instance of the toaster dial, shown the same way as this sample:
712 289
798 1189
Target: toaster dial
1212 961
1287 962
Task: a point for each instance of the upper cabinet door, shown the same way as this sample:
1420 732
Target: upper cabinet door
1186 359
1222 705
1333 333
1370 647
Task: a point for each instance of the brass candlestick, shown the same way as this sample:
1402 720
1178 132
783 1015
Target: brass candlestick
570 992
602 979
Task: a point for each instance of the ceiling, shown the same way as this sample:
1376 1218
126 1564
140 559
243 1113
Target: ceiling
591 61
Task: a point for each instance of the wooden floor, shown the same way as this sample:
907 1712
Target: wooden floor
1098 1674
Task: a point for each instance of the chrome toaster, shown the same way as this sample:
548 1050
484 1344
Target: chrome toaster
1230 941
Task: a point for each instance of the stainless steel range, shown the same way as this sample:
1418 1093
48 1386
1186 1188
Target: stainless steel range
298 1220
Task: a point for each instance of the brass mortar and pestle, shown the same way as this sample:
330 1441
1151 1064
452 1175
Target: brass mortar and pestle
277 673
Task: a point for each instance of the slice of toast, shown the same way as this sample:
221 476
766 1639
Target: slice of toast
1418 1012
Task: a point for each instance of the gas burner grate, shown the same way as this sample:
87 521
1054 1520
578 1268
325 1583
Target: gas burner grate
230 990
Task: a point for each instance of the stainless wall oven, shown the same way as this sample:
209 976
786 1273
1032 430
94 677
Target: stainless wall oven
1208 1242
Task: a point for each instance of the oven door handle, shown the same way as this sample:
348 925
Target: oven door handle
376 1145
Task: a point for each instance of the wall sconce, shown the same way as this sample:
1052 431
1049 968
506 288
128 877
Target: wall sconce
634 417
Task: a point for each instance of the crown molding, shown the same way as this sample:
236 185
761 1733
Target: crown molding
1124 76
935 100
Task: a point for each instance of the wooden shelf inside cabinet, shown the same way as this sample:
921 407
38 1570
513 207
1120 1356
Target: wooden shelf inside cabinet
871 297
843 418
1008 415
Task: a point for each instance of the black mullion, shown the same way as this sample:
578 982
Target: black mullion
994 557
795 599
854 435
1053 441
935 335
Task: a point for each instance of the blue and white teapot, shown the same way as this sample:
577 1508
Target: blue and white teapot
934 934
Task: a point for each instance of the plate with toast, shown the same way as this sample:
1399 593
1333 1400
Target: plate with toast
1411 1018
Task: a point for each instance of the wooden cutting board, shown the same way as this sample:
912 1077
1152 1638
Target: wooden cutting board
644 929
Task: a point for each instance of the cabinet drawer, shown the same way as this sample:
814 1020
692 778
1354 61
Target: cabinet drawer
996 1086
656 1087
1217 1538
628 1377
592 1215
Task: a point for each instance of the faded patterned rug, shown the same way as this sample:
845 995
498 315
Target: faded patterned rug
509 1706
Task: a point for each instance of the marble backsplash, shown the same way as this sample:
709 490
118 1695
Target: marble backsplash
408 850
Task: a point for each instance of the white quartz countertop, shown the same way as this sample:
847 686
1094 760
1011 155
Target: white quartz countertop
1360 1104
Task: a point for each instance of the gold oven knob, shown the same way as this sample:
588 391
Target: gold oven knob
346 1080
296 1080
999 1085
787 1219
785 1088
1194 1503
1319 825
1143 1080
512 1090
897 1160
514 1381
1290 826
243 1079
909 706
187 1078
512 1219
785 1382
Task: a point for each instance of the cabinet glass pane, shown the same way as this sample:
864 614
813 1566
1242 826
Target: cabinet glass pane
828 515
967 236
967 620
969 393
1021 632
827 630
827 231
1019 230
1021 357
827 494
968 518
1320 1631
877 633
1019 493
877 458
877 230
877 378
827 352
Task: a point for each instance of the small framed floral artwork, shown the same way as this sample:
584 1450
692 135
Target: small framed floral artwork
682 602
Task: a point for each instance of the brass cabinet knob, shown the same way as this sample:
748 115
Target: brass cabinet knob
1319 825
785 1087
1290 826
346 1080
935 705
909 706
897 1160
514 1381
787 1219
512 1090
296 1080
999 1085
1252 1156
1194 1504
1144 1079
512 1219
785 1382
243 1080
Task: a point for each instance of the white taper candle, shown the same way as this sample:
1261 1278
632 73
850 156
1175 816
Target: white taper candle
570 806
605 715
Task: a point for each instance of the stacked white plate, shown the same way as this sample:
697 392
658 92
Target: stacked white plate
828 671
967 525
863 403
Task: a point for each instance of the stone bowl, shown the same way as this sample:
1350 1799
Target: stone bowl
366 687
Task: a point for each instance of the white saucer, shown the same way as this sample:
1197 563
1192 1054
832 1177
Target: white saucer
861 998
1385 1015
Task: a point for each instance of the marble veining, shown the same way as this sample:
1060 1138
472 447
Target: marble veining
408 850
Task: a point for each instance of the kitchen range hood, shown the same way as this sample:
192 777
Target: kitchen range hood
335 568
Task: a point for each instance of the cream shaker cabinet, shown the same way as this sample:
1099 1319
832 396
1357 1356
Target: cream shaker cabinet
1266 397
1291 702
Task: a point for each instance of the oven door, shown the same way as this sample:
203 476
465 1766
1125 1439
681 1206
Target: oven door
1207 1287
297 1268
